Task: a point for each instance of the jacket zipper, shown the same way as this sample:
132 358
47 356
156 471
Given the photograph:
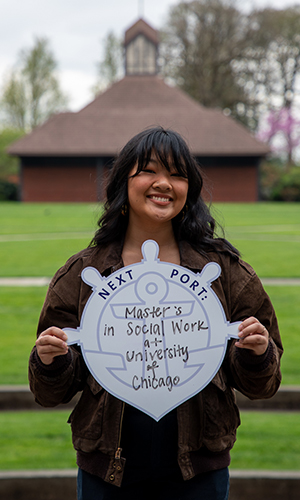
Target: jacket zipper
119 449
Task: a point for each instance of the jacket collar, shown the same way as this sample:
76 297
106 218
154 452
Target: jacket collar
111 257
190 258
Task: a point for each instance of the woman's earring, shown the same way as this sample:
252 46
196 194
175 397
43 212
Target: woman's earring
124 209
184 211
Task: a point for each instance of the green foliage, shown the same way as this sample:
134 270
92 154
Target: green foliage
8 191
267 441
287 188
111 65
31 92
279 181
270 173
14 100
35 440
8 164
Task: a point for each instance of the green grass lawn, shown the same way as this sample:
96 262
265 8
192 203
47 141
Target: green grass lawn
271 258
36 440
36 239
267 440
19 312
42 440
38 258
267 235
265 214
286 301
40 218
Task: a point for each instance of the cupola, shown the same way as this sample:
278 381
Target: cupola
141 49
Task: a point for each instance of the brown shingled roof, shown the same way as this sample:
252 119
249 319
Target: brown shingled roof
128 107
141 27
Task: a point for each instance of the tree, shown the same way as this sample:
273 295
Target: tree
281 131
31 92
270 68
199 43
244 63
8 164
110 68
13 101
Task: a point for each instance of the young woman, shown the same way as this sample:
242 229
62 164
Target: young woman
155 193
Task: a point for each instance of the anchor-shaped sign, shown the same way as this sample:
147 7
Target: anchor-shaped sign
153 334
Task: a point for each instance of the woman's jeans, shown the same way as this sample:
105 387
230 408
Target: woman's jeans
212 485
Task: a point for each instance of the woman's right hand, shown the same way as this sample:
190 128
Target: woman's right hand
51 343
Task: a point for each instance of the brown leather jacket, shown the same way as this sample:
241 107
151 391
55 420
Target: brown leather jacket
207 421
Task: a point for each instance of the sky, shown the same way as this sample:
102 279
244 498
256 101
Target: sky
75 30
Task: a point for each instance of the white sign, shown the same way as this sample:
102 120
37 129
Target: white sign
153 334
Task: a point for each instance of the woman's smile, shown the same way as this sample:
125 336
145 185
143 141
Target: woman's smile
161 199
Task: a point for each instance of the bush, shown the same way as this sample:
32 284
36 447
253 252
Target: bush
8 191
279 182
270 174
288 186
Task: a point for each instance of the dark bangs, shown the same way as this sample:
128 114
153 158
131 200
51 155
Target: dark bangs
168 147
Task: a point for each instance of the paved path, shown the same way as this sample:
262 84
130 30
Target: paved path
44 281
24 281
281 281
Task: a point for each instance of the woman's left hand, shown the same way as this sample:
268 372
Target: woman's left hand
253 335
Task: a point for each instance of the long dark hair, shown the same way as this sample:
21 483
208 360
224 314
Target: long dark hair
194 224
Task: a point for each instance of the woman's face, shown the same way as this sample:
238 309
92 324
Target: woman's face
155 195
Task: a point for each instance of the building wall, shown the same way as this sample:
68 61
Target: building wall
62 179
83 179
231 181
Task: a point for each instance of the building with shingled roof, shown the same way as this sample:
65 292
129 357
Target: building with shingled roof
68 157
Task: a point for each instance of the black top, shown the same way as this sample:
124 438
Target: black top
150 447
